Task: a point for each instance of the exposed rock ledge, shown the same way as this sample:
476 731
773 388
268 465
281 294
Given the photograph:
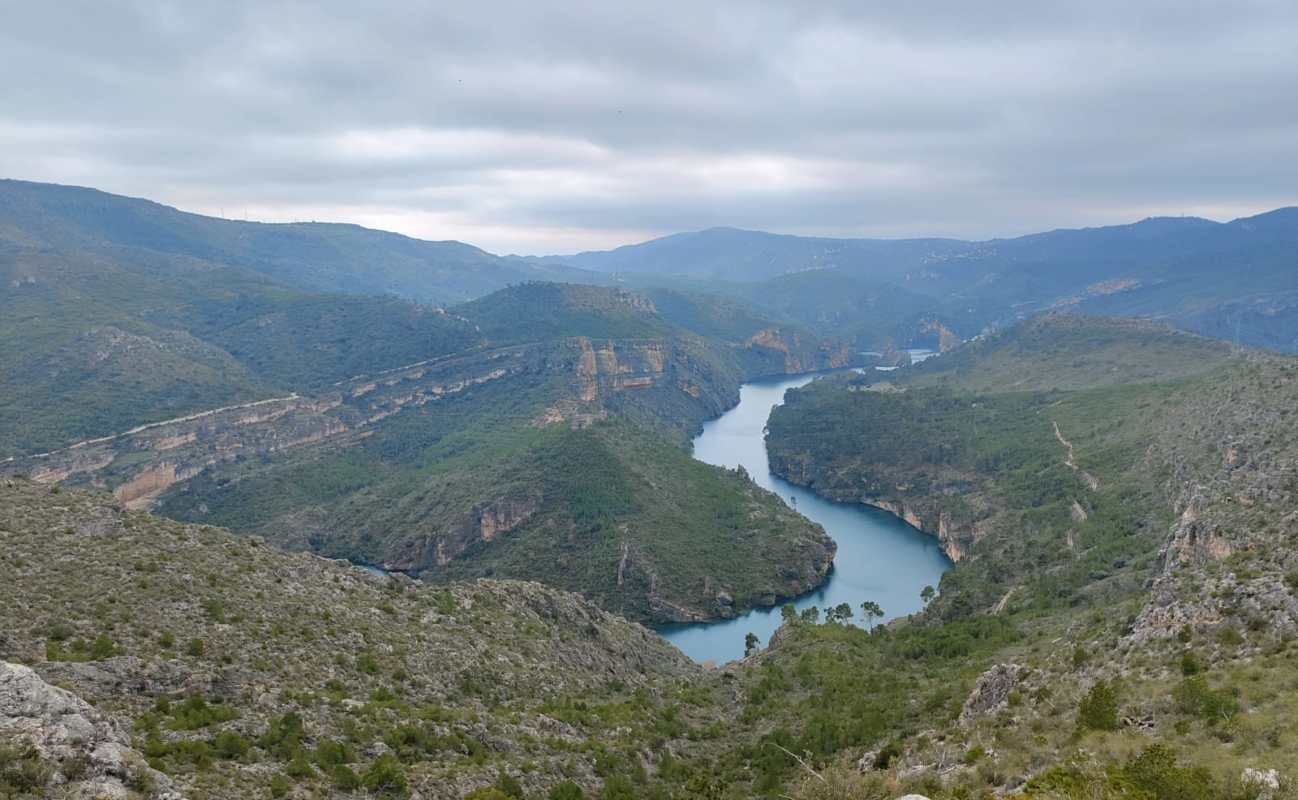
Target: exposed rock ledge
87 754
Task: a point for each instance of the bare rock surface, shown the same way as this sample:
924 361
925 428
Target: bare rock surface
85 754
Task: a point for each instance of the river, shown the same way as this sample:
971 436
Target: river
879 558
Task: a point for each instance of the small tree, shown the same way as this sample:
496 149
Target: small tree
788 613
840 613
871 611
751 643
927 594
1099 708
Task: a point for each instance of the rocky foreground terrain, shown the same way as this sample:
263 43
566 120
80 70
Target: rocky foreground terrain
231 665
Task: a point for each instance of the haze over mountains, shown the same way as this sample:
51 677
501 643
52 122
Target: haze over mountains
1233 279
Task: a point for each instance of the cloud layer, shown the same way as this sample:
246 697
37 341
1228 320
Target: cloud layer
552 127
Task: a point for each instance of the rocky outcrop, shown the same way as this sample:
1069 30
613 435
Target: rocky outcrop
141 463
505 514
947 339
79 752
991 691
802 353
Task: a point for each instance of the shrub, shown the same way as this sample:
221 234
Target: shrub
1196 698
22 770
330 753
1189 664
1156 774
385 777
298 767
194 648
509 785
230 745
283 737
566 790
1230 637
346 779
214 607
1079 656
1098 710
195 713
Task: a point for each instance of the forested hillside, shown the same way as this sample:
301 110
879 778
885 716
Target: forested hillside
1106 488
453 443
1233 280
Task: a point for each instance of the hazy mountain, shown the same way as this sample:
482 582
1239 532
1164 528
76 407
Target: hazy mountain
306 255
1217 278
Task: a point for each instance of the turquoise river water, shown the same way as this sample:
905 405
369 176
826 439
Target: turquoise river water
879 558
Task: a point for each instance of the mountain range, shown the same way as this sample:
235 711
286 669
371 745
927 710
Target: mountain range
1234 279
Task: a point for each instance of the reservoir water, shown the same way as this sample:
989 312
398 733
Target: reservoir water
879 558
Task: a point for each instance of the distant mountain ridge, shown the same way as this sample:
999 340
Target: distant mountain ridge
312 256
1235 279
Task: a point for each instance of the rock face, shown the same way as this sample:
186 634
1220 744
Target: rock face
85 754
801 353
991 692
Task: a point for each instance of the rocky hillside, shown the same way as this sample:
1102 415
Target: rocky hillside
237 669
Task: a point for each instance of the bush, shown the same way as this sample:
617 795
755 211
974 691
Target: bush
1099 708
1189 664
283 737
194 648
1196 698
1230 637
195 713
346 779
298 767
230 745
22 770
509 785
385 777
566 790
1156 775
330 753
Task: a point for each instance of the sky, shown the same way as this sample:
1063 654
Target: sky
553 127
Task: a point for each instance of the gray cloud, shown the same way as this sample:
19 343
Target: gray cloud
558 126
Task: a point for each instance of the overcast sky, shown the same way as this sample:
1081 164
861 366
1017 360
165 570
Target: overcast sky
550 127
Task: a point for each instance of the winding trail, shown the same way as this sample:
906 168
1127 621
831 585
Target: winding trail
1070 460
